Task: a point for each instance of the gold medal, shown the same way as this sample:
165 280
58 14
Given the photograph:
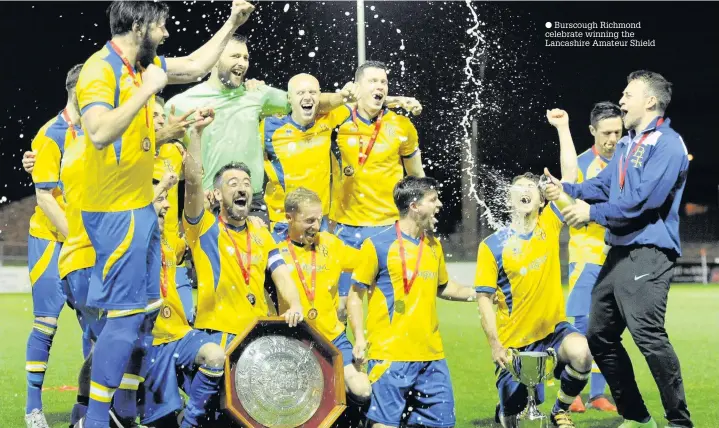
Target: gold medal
348 171
312 314
146 144
399 306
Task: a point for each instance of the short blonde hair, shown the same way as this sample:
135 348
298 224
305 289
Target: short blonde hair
299 196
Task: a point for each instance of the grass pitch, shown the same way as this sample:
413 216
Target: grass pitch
692 323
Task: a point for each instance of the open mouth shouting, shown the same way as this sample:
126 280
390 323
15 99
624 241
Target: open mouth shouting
525 199
308 108
241 200
310 235
238 72
433 221
378 98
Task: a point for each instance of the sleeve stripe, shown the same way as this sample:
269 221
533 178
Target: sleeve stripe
194 220
556 211
358 284
47 185
275 260
97 103
411 154
485 289
163 63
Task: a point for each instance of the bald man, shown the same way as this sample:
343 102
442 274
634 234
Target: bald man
294 142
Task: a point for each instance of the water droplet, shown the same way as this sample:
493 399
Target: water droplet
302 32
287 7
312 54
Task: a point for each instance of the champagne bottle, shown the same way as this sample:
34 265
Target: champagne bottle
564 199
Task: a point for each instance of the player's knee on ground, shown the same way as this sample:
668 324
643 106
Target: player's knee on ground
357 383
211 355
47 320
576 351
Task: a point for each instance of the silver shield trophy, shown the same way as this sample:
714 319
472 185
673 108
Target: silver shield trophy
530 369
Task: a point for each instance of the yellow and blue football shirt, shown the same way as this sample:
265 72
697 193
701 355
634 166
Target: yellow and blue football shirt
222 294
77 251
171 324
170 157
524 270
413 334
586 244
118 177
50 144
365 198
298 156
332 257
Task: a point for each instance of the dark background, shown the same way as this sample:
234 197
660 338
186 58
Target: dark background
522 77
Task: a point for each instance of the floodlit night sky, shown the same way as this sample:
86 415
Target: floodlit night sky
426 44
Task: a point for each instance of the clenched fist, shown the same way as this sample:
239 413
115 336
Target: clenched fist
557 118
154 78
241 11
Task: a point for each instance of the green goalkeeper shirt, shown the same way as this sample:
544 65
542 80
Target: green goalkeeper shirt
234 134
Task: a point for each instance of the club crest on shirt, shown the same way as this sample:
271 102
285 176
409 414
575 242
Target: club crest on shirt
638 157
541 234
390 130
146 144
166 311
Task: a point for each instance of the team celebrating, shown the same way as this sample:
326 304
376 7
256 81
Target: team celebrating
300 203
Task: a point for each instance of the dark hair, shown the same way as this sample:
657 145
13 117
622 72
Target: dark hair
72 76
657 86
159 100
241 166
124 13
297 197
604 110
528 176
239 38
412 189
368 64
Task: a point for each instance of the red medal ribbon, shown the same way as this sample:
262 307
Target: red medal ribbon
310 293
131 72
163 283
408 283
597 155
624 162
378 123
245 271
66 116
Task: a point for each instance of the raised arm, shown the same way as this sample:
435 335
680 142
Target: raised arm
413 165
331 100
567 153
191 68
194 196
168 180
